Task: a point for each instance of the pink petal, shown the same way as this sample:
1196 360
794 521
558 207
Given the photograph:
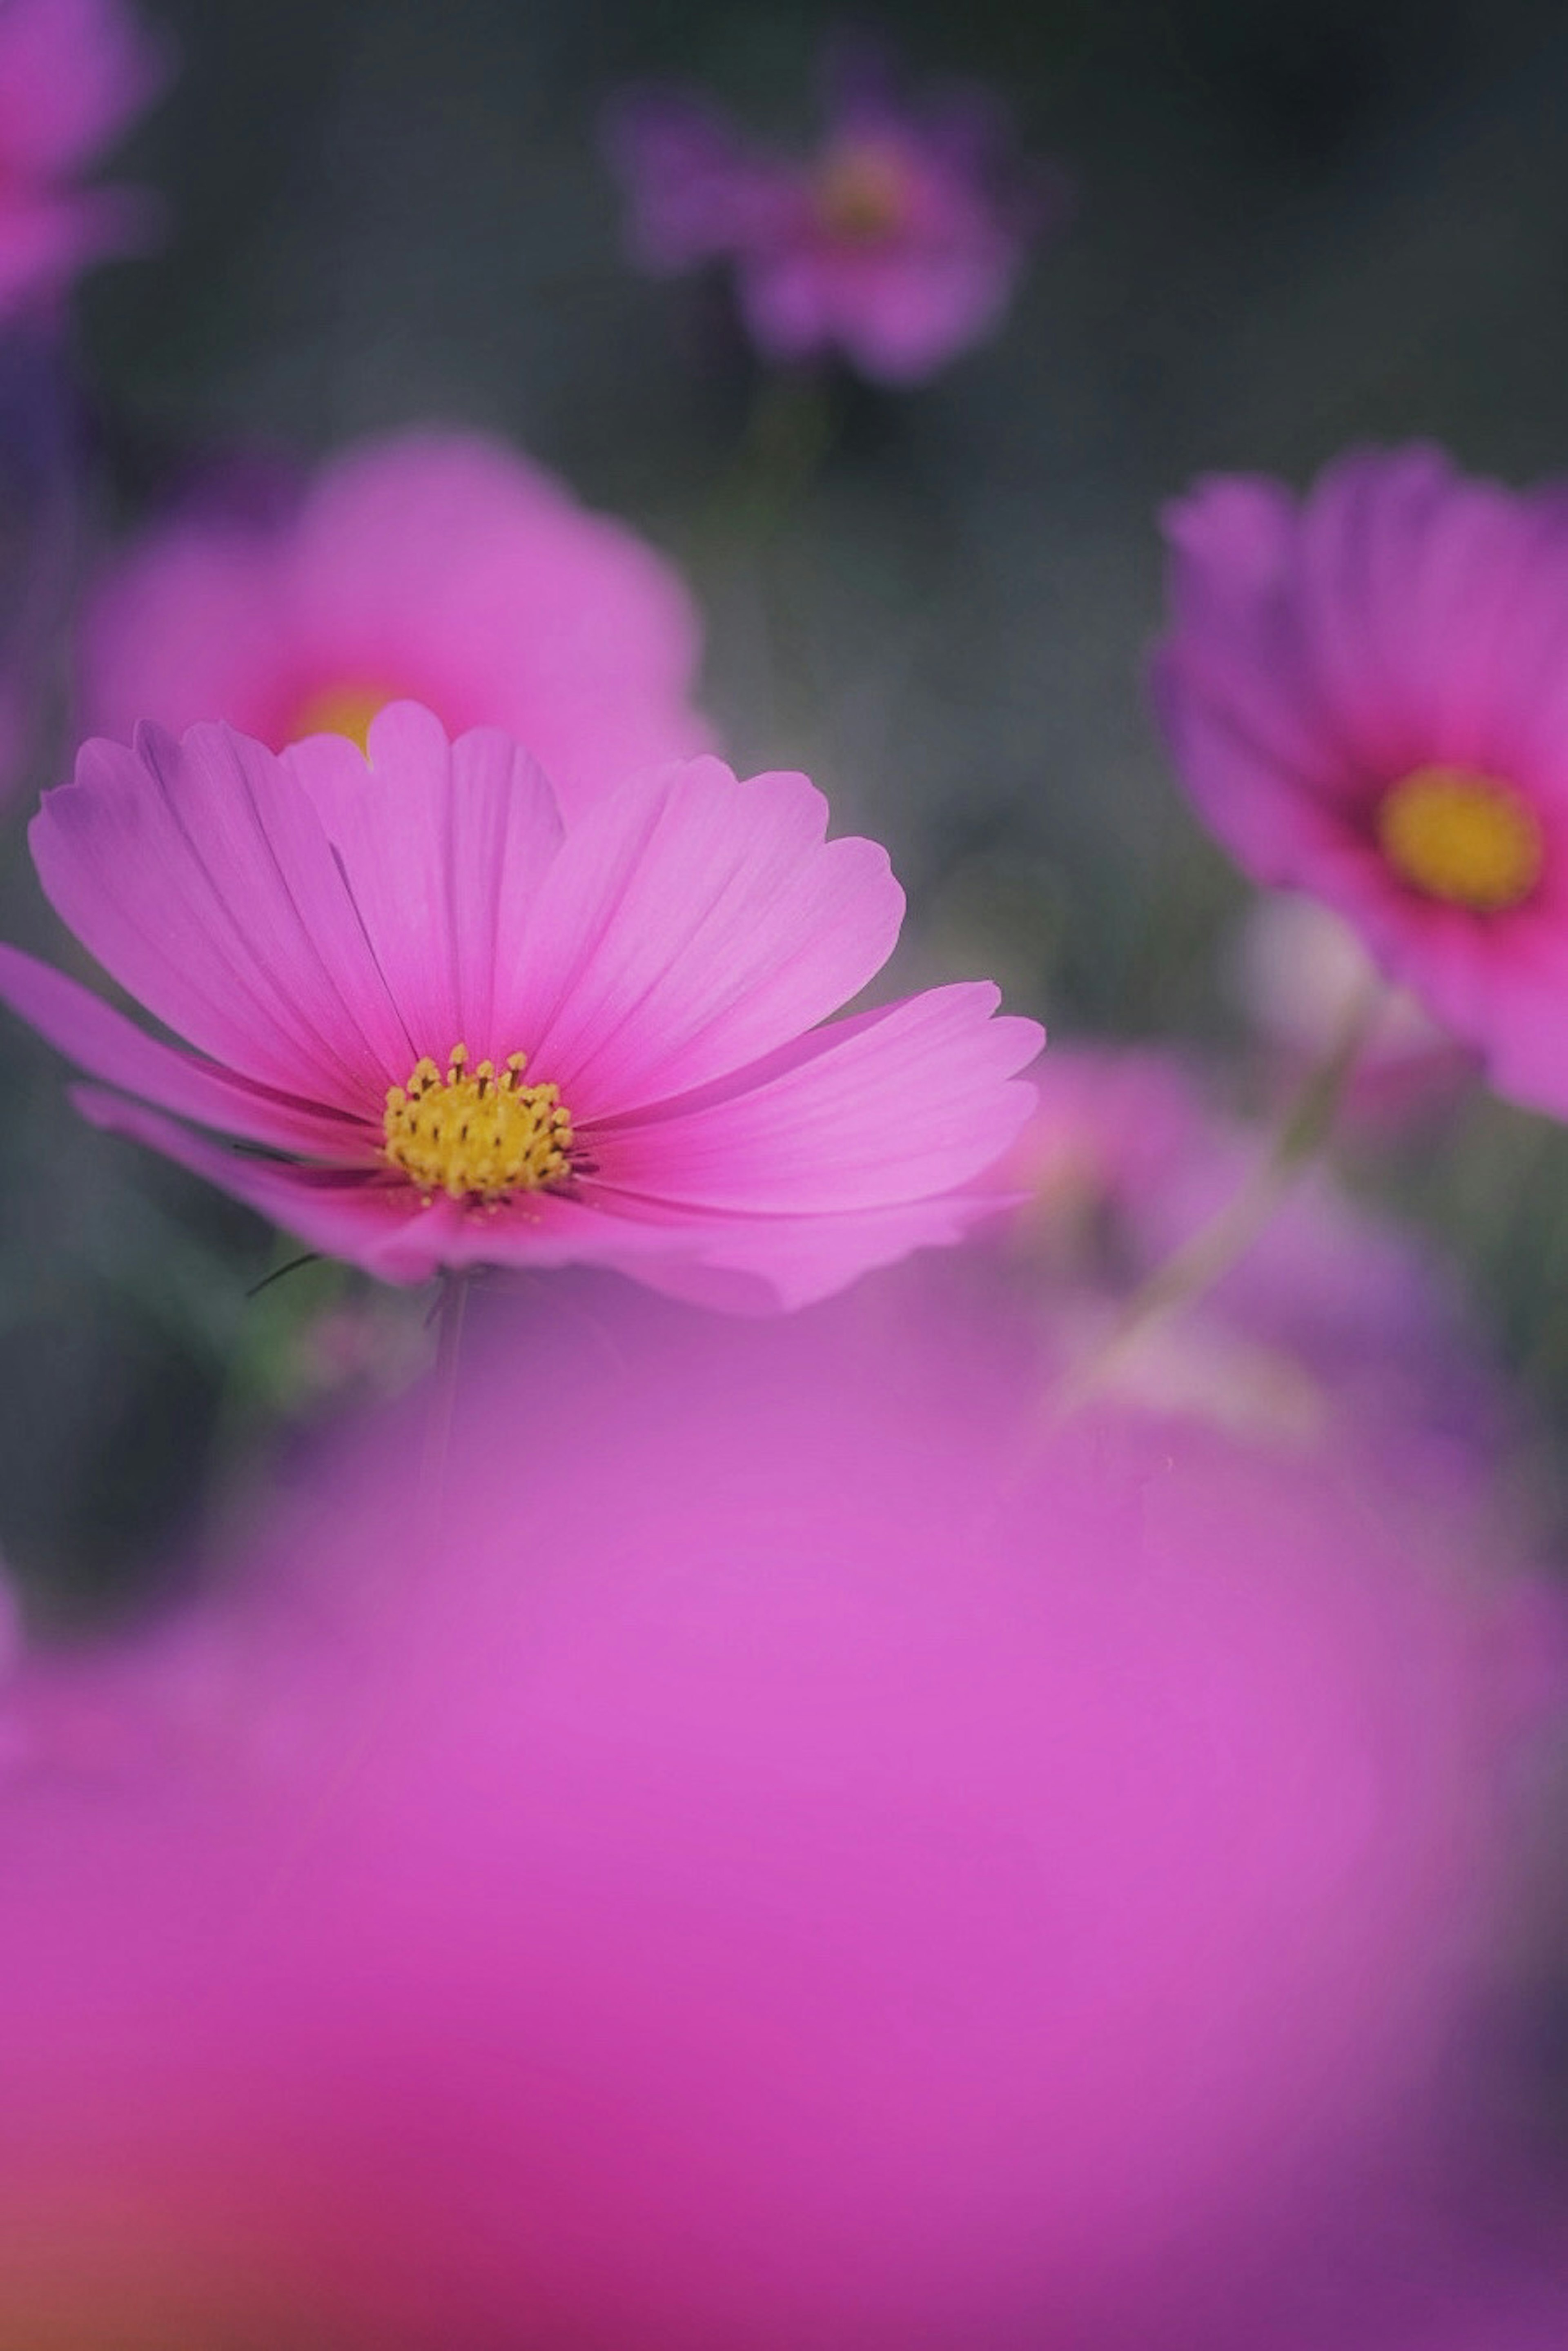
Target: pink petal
199 875
101 1041
691 924
894 1106
445 849
385 1227
752 1265
1235 643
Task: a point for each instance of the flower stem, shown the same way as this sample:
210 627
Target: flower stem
1194 1268
787 434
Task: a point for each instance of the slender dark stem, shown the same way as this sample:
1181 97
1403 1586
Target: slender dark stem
1191 1270
443 1401
311 1257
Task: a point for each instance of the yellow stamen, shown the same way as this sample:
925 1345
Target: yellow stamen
1463 838
476 1135
862 193
345 709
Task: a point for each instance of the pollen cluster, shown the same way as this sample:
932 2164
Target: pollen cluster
478 1134
1463 838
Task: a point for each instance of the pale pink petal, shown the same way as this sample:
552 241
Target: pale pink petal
763 1264
106 1045
891 1107
691 924
445 849
199 875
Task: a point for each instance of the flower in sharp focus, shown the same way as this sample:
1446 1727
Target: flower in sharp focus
896 245
73 74
1365 696
463 1033
439 567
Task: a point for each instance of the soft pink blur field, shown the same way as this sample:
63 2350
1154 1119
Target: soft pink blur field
775 1847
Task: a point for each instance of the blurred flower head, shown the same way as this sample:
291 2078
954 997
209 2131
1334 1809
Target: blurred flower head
73 75
894 245
439 568
1333 1323
786 1855
465 1032
1363 695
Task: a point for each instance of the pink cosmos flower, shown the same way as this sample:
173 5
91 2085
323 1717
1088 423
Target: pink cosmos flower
73 74
465 1032
439 567
790 1858
1333 1326
1365 694
896 245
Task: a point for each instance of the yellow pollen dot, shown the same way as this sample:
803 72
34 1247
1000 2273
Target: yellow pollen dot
862 193
1463 838
345 709
478 1134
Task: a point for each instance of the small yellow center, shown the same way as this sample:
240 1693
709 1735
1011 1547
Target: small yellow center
340 710
1461 837
862 193
476 1135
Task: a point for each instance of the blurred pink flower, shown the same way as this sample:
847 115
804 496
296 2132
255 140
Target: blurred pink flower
896 245
481 1037
1363 695
793 1857
439 568
1335 1325
73 74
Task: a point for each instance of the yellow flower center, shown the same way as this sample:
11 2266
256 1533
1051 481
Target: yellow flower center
1461 837
340 710
862 193
476 1135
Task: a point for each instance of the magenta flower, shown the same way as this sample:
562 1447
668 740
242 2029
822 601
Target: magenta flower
793 1857
73 74
1365 698
439 568
469 1034
1334 1327
895 245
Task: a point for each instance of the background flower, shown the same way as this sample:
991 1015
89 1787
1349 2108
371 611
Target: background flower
1365 699
439 567
896 245
73 74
